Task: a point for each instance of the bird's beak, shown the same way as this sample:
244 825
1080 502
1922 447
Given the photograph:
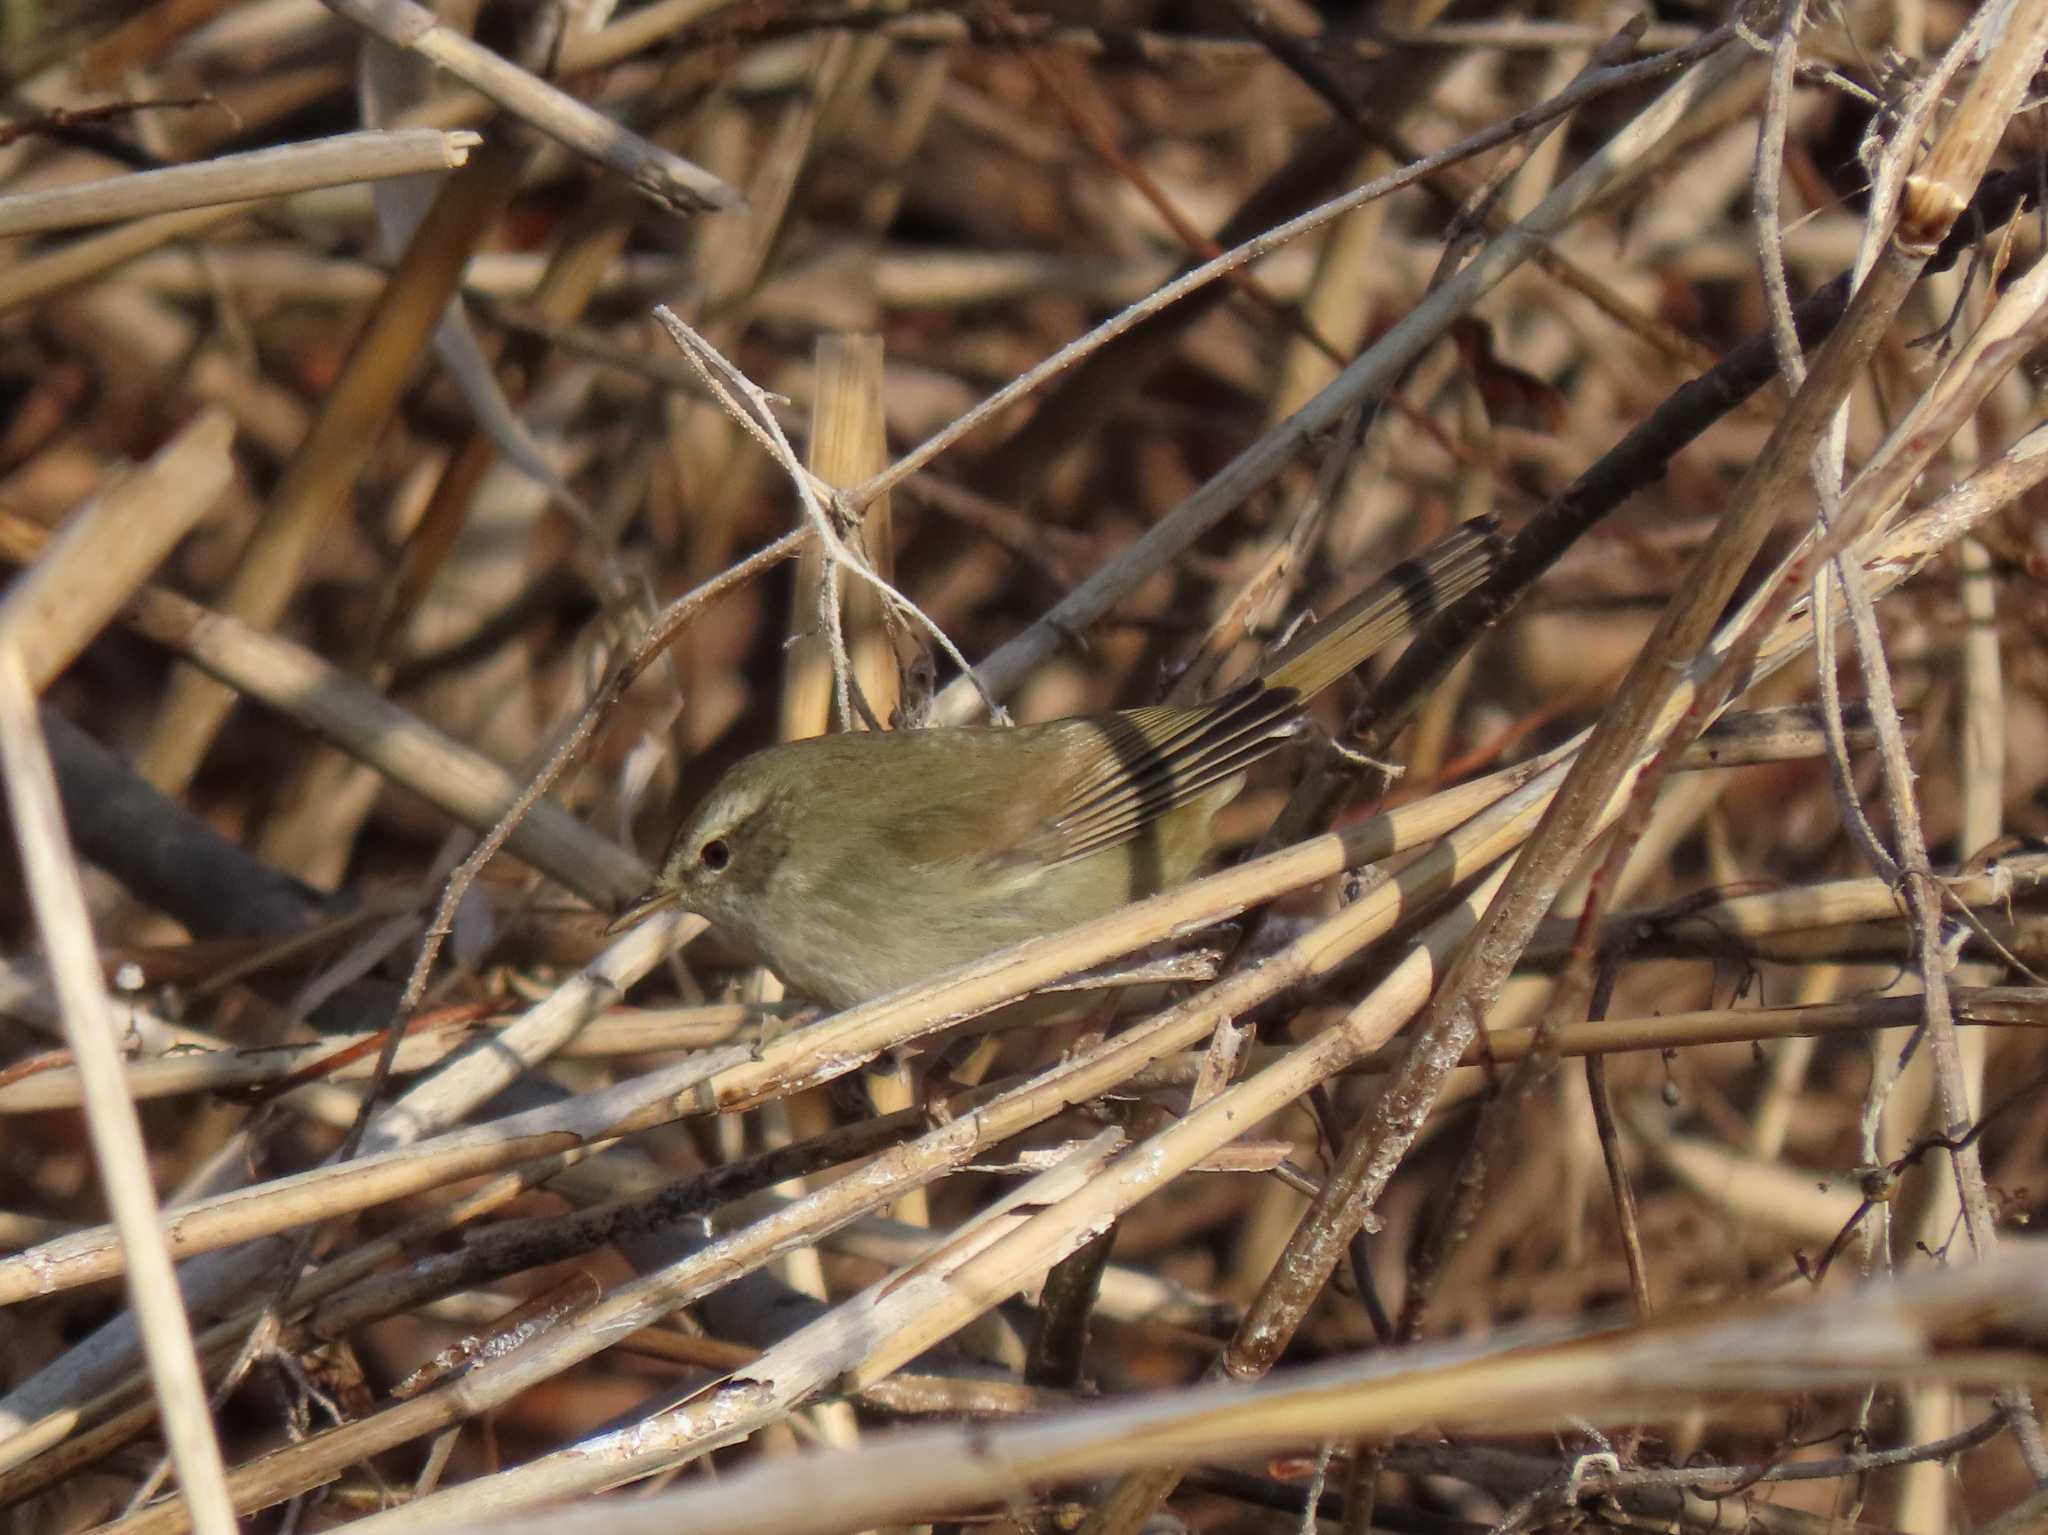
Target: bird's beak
651 900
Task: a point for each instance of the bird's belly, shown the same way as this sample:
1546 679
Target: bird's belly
931 918
842 957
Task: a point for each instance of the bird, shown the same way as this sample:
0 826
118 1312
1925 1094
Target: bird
859 863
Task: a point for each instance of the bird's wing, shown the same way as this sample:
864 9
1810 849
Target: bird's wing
1402 600
1130 769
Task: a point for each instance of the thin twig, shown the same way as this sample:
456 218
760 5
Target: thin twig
752 407
658 173
262 173
111 1120
1258 464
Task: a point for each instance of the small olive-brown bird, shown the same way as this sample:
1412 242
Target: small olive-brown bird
859 863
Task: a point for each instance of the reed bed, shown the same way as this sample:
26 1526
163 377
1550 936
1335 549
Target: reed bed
1599 1085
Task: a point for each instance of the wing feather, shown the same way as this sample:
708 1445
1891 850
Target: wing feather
1125 772
1144 763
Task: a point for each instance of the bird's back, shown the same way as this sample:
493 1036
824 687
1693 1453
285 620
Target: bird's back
903 879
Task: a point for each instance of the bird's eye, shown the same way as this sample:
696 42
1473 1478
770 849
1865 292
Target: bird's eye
715 855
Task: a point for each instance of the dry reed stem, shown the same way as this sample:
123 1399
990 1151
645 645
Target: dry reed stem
725 1077
371 155
109 546
990 1122
746 1081
1989 1007
1366 379
1682 631
203 1063
1934 196
659 22
806 121
1924 1491
327 701
37 1409
846 1339
882 1181
752 407
847 443
116 1132
1449 1028
653 171
40 277
1729 922
317 483
1891 1331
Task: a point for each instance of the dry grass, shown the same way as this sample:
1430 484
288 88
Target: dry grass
1630 1117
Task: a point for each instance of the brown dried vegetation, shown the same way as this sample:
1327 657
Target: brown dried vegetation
1628 1130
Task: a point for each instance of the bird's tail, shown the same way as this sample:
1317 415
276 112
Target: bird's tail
1397 604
